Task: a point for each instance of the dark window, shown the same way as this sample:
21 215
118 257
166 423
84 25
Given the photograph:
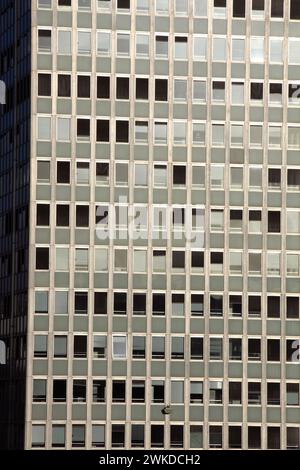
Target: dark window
80 346
64 86
103 87
63 172
239 8
235 305
44 40
254 349
295 10
122 88
137 435
273 307
292 350
235 437
118 435
118 391
157 435
138 391
254 393
254 306
120 299
235 393
197 305
100 307
292 307
161 89
42 258
273 395
99 387
274 434
274 177
102 172
62 215
83 86
83 128
196 348
277 8
141 89
158 304
176 436
124 4
64 3
216 305
215 437
294 176
257 90
254 437
79 391
42 214
78 435
198 260
102 130
81 303
178 259
139 304
235 349
158 391
59 390
273 221
44 84
122 131
82 216
273 350
179 175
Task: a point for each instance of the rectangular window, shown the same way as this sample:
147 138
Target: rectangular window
119 347
83 86
277 8
44 40
238 8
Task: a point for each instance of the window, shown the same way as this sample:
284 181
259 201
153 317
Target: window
177 350
254 437
42 214
81 259
218 135
197 305
218 90
83 86
123 44
181 7
103 43
44 40
239 8
102 130
294 56
197 261
63 172
196 437
216 348
294 137
137 435
44 128
103 87
142 44
118 435
39 390
295 10
84 4
160 132
162 7
138 391
292 307
161 46
200 47
139 304
294 93
64 3
254 349
237 93
59 390
81 303
141 88
196 392
82 216
122 88
257 91
255 263
38 435
215 391
219 49
123 5
98 435
273 307
60 346
235 393
142 5
43 171
235 437
84 42
200 7
254 393
275 93
141 174
178 305
102 173
273 350
258 7
181 47
83 129
158 347
274 178
101 259
80 346
78 435
82 173
199 90
293 438
235 349
292 394
292 350
235 305
122 131
64 42
273 437
63 129
176 436
138 347
159 261
273 393
276 50
44 84
157 430
41 302
45 3
178 261
180 90
216 263
61 303
179 132
273 221
237 135
62 215
220 8
99 391
236 220
196 348
64 86
99 347
215 437
161 89
58 435
257 49
118 391
277 8
79 391
177 391
238 48
179 175
119 347
42 258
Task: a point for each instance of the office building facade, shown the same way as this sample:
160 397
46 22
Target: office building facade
156 273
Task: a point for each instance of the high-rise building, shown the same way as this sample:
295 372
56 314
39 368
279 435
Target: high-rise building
150 224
